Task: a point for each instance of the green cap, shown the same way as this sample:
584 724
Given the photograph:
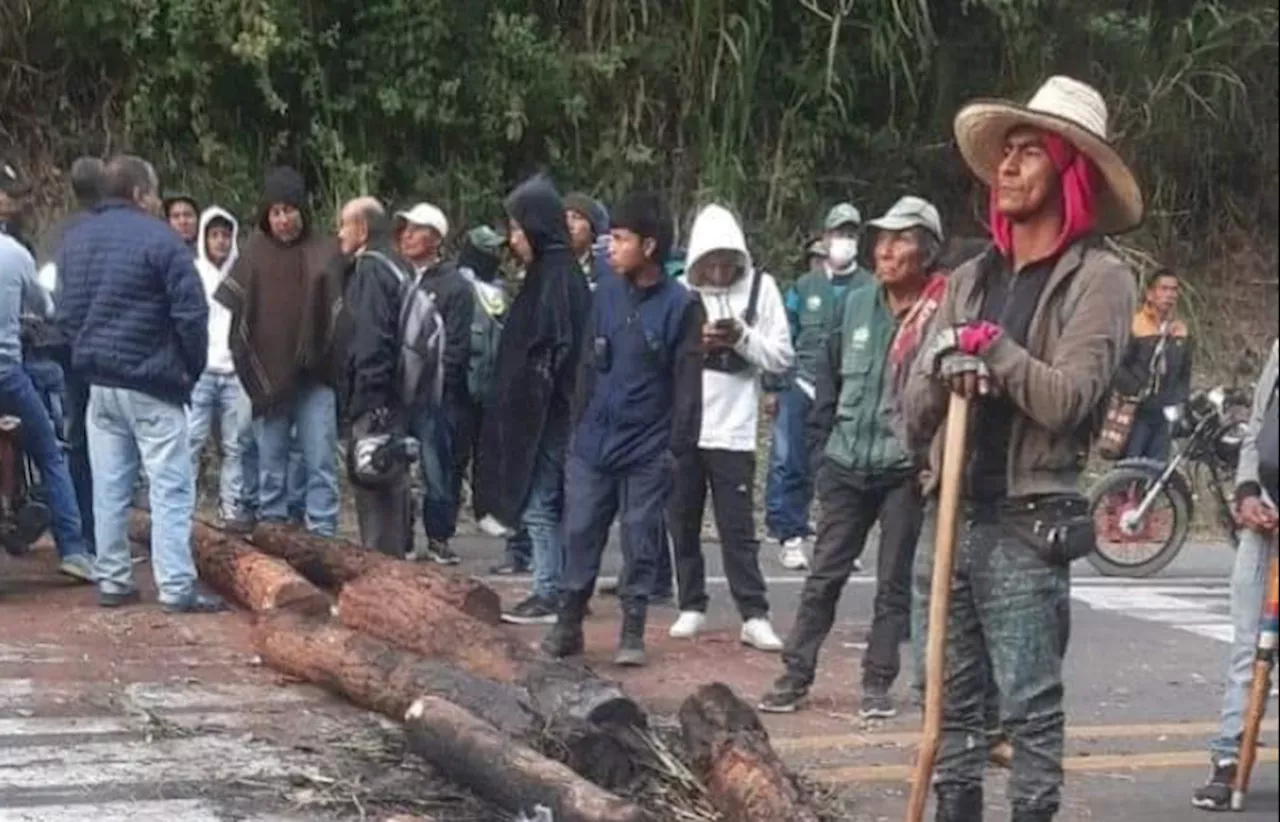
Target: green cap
842 215
486 239
910 212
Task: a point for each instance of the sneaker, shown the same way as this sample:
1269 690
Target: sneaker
759 634
78 566
792 555
493 528
110 599
196 602
688 625
509 568
876 704
439 552
533 611
785 697
607 589
1215 795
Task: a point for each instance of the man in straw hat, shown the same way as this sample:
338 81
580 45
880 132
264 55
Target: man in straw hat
1031 332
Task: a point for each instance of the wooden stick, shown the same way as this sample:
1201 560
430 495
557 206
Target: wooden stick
1260 688
953 462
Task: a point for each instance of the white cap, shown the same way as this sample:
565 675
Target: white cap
427 215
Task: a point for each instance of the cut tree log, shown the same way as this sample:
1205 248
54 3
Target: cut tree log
477 755
391 606
378 676
332 563
234 569
745 779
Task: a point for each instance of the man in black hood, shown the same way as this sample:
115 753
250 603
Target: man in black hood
520 476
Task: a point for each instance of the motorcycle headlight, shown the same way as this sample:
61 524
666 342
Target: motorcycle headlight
1218 397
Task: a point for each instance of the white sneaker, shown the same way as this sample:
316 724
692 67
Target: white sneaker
792 555
759 634
494 528
688 625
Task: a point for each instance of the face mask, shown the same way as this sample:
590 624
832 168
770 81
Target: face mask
841 252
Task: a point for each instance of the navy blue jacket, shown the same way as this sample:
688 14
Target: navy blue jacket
640 387
133 307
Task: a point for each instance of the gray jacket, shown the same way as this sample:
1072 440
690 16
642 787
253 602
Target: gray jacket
1247 470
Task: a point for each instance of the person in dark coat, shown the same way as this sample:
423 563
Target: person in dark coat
588 223
520 475
135 313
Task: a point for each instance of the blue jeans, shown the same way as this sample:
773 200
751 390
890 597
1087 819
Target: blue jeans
76 410
315 415
789 486
638 498
220 395
18 396
250 479
1150 437
436 429
47 377
1248 590
129 430
542 514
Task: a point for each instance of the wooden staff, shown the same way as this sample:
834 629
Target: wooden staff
953 462
1264 661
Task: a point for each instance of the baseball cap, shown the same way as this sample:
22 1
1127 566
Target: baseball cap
910 212
485 238
842 215
427 215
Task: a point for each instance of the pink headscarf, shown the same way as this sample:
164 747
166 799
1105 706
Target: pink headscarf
1080 179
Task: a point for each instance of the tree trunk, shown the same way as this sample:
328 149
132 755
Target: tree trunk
333 563
476 755
234 569
381 677
393 607
745 779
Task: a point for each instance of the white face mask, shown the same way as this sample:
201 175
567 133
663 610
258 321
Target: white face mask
841 252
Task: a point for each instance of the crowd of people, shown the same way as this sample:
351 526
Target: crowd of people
618 380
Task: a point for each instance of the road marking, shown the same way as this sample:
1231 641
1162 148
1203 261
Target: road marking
1072 764
911 738
1203 610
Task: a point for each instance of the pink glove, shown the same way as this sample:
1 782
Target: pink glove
975 338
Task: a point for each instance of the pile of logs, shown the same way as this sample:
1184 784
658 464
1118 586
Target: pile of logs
424 646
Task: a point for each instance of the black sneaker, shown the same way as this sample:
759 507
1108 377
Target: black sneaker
533 611
876 704
439 552
107 599
1215 795
196 602
785 698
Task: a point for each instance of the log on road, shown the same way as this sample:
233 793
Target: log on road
473 753
391 607
332 563
378 676
245 576
745 779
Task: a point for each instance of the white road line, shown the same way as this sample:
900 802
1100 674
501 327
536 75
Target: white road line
1203 610
162 810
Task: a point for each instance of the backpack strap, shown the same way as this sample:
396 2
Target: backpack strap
401 275
753 302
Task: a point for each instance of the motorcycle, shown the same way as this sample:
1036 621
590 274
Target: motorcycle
24 514
1143 509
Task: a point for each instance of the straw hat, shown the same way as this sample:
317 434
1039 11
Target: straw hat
1076 112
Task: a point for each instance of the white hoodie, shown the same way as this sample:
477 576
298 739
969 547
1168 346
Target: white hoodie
731 402
211 276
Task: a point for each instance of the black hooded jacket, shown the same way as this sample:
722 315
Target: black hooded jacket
368 330
540 346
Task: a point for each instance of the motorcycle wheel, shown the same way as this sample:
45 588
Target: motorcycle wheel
1135 481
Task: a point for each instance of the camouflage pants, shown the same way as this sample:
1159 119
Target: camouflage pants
1007 627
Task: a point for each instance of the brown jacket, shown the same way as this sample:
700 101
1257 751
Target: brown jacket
1077 336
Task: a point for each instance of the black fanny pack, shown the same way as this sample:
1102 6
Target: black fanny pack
1059 529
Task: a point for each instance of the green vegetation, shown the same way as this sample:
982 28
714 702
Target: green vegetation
779 106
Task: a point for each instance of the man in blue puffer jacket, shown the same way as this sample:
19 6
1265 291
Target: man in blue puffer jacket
134 312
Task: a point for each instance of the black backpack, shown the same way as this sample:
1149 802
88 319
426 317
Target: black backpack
420 366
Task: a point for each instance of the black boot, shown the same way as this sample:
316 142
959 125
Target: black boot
565 639
1032 815
631 642
957 804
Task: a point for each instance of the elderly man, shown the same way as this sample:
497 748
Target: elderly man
441 431
813 310
1255 496
369 348
865 473
1031 333
135 313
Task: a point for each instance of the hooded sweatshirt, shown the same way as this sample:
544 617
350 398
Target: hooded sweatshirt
211 276
537 355
730 402
283 299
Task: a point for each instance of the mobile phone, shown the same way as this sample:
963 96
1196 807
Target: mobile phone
726 324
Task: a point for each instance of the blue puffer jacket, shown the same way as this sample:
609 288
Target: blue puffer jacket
132 304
